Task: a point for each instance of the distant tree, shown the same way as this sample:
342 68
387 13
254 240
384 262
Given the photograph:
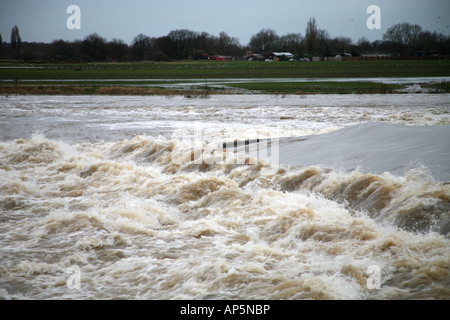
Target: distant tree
379 46
34 51
141 43
311 35
164 48
158 55
77 49
16 41
226 45
433 42
205 42
403 37
363 45
291 42
341 44
327 52
94 47
264 41
117 49
323 41
183 39
182 36
427 41
61 50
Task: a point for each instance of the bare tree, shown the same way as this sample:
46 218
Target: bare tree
226 44
94 47
341 44
433 42
183 39
116 49
264 41
164 48
311 35
364 45
403 36
205 42
323 42
140 45
16 41
61 50
292 42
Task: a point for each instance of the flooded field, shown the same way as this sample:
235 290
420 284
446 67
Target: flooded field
132 197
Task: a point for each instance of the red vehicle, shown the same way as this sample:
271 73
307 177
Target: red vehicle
217 58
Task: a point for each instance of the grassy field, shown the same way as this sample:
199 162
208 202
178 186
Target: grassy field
89 77
323 87
232 69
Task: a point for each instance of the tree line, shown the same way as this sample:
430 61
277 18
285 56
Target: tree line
403 39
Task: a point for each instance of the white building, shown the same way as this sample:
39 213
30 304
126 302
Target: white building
278 55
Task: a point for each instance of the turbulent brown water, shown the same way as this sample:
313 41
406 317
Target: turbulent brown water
95 205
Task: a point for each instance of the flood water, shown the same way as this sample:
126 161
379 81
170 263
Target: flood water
133 197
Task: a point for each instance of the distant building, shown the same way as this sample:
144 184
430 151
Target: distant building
343 55
277 56
337 57
376 56
250 56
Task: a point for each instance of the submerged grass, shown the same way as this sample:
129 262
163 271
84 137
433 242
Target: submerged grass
325 87
93 89
316 87
438 86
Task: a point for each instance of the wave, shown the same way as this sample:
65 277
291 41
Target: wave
415 200
376 148
141 225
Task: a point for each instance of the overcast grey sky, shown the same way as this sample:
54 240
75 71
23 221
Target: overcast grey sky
45 20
